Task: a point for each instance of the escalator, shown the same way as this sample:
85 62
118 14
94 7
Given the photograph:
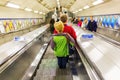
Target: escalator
48 69
18 68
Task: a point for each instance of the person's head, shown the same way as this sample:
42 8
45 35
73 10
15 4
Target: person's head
91 18
52 21
85 18
63 18
79 19
59 26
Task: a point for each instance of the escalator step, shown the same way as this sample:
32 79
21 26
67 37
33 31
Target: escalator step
49 70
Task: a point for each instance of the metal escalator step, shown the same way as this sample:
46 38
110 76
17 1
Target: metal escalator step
49 70
63 77
44 78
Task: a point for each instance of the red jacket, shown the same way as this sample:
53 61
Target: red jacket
79 23
68 29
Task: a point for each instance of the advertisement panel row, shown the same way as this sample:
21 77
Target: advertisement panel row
10 25
110 21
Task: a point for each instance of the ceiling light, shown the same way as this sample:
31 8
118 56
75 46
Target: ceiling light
57 0
12 5
28 9
80 10
40 12
86 7
43 13
76 11
97 2
58 3
35 11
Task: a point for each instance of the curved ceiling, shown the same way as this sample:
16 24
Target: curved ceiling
48 5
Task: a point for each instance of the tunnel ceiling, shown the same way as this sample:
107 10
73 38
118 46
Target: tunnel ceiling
49 5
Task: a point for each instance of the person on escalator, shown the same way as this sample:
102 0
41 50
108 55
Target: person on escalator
92 25
79 22
52 21
59 43
68 29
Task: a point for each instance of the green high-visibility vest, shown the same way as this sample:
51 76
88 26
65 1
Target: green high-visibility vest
61 46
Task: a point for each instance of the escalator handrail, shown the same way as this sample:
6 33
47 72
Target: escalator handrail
31 70
9 59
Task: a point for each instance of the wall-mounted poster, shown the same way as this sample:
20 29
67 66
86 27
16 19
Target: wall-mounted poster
104 21
18 24
100 21
6 26
15 24
112 23
11 26
108 22
96 18
117 24
2 29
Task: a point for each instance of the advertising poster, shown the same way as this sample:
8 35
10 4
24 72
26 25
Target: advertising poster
104 21
18 25
2 29
117 24
15 24
6 26
112 23
11 27
108 21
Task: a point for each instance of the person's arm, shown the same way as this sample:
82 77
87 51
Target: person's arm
88 26
52 43
73 33
95 27
70 38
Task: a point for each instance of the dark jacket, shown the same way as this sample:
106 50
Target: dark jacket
92 26
52 28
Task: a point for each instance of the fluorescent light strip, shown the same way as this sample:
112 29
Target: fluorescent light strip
97 2
28 9
80 10
86 7
12 5
57 0
40 12
58 3
35 11
43 13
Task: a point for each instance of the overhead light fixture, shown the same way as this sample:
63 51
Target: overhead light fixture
97 2
35 11
80 10
58 3
40 12
28 9
86 7
12 5
43 13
